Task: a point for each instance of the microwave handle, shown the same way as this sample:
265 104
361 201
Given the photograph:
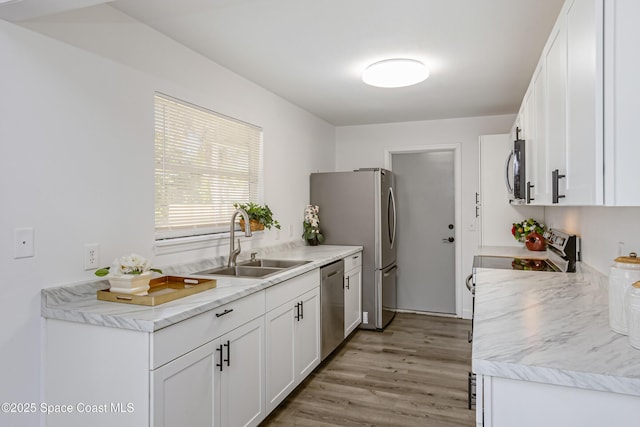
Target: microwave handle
506 173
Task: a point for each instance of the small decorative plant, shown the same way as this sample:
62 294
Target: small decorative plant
311 225
521 230
133 264
262 214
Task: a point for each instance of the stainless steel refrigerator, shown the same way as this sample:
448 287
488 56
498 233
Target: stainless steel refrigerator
358 208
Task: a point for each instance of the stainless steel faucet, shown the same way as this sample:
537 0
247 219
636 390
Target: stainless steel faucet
233 252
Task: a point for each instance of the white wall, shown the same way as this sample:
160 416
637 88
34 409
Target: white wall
602 230
76 129
365 146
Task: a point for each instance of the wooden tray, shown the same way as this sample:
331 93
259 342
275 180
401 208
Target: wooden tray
162 289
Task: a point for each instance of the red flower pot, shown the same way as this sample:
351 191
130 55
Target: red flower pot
535 242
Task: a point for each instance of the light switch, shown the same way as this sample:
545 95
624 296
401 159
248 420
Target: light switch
23 242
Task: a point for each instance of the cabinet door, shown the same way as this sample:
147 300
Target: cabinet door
352 300
541 192
242 396
307 335
556 68
184 390
584 146
281 374
529 135
622 91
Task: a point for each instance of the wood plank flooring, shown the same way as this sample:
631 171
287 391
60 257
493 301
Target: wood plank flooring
412 374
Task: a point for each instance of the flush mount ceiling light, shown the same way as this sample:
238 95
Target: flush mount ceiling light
395 73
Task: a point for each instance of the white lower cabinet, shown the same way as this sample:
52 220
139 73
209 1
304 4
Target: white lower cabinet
242 379
503 402
292 336
227 367
352 293
183 390
218 384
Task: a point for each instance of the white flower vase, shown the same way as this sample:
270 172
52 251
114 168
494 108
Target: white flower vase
134 284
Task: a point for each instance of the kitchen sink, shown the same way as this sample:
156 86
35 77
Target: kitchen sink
254 268
273 263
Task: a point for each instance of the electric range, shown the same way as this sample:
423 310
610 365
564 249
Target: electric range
563 250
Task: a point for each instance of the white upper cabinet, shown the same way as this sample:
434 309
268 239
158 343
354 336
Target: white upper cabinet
555 60
584 140
531 123
540 194
562 112
621 108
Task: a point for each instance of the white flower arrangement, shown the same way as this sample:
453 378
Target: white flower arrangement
133 264
311 224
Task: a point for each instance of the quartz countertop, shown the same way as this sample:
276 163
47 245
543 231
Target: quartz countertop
551 328
78 303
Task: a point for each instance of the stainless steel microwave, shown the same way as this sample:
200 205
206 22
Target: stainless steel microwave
515 177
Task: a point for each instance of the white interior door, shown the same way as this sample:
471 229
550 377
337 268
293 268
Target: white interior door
425 187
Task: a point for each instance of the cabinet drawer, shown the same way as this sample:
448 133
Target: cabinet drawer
173 341
353 261
285 291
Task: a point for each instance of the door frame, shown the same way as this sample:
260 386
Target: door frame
457 173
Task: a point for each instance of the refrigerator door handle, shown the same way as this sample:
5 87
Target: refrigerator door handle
392 204
387 273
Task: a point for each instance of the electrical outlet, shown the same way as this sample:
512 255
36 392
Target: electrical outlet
365 317
91 256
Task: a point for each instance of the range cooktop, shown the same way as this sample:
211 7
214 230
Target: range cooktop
508 263
563 250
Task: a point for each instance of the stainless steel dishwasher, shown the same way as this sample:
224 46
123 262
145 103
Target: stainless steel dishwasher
332 302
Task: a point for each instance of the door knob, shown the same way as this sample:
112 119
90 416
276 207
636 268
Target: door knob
448 240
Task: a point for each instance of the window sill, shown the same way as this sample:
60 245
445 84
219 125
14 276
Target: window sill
183 244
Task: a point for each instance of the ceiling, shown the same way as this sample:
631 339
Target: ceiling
481 53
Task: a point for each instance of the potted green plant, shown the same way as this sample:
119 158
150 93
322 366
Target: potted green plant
520 230
530 232
260 217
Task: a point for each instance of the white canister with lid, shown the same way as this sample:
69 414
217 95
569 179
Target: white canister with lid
622 275
633 314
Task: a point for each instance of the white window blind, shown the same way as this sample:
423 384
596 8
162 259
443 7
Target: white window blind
204 162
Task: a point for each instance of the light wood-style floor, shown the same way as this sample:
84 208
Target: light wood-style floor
412 374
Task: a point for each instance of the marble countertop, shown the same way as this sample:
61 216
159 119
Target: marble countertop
551 328
78 303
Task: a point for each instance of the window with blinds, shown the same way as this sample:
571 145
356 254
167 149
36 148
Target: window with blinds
204 163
